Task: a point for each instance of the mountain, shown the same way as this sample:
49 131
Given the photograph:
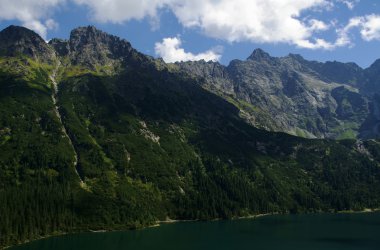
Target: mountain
371 80
102 137
18 41
290 94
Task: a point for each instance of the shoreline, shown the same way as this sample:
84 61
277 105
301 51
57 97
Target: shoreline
365 210
255 216
36 239
172 221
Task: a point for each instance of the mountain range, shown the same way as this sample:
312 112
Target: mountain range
95 135
290 94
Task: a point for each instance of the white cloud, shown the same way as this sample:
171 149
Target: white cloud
344 38
238 20
368 26
259 21
317 25
349 3
248 20
316 44
32 14
51 24
170 50
119 11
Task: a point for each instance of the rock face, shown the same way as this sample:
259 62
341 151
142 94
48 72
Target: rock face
344 73
60 46
217 75
371 82
92 47
15 41
293 95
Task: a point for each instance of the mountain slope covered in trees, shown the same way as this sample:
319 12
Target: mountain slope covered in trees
125 140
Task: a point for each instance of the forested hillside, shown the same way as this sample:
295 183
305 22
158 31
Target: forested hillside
124 141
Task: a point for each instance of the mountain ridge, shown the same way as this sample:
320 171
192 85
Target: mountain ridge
262 82
286 87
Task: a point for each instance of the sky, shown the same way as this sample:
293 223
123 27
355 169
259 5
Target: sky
218 30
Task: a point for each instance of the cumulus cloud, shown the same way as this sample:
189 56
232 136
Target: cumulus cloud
170 50
368 26
248 20
259 21
118 11
32 14
239 20
318 25
316 44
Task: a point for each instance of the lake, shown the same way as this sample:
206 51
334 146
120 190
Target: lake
303 232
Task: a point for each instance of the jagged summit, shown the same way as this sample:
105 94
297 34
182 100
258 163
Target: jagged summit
90 46
259 55
375 65
89 29
16 32
16 40
87 46
90 35
295 95
297 57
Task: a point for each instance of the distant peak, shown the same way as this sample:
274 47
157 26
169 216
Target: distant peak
258 55
91 46
296 57
15 27
87 31
90 34
16 40
376 64
14 32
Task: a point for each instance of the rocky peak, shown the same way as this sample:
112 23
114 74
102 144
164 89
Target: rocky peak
296 57
259 55
294 62
375 65
371 82
333 71
83 36
16 40
91 46
203 68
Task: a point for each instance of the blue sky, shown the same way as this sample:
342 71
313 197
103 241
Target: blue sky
223 30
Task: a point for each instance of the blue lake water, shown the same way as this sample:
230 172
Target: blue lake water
293 232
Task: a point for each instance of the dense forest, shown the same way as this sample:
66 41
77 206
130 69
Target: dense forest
125 148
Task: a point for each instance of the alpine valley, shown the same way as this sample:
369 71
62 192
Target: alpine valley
97 136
